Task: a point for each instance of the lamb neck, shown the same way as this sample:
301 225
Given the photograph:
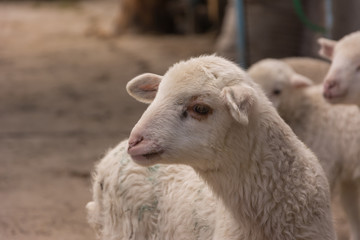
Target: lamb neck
259 176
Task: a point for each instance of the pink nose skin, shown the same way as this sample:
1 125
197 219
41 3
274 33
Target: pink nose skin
133 141
143 151
329 86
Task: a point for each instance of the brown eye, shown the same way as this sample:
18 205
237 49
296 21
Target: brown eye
201 109
358 68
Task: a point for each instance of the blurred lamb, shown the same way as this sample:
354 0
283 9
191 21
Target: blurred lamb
158 202
342 83
221 124
331 131
313 68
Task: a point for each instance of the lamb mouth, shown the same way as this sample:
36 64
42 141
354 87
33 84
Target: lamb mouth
331 97
335 98
147 158
153 154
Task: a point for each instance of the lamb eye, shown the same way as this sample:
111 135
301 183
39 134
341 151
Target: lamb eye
201 109
358 68
276 91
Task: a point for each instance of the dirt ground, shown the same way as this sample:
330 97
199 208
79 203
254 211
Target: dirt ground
63 104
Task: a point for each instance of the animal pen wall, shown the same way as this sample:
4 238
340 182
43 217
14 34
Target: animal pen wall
247 29
280 28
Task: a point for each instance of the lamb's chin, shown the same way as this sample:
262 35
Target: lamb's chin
334 99
147 159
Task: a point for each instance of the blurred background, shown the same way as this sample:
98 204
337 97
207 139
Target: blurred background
64 65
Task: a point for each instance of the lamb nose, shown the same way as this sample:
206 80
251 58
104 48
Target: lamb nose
330 85
134 142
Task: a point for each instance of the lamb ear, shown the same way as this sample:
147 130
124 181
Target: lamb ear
300 81
326 48
144 87
239 100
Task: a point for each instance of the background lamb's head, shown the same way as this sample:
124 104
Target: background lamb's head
193 107
278 80
342 83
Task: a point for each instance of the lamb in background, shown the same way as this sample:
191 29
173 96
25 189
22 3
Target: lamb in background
342 83
158 202
312 68
220 123
331 131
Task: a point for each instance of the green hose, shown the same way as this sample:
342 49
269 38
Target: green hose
300 12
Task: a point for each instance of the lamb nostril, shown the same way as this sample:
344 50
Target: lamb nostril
133 143
331 84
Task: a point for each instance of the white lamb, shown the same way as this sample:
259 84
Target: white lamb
342 83
158 202
331 131
208 114
313 68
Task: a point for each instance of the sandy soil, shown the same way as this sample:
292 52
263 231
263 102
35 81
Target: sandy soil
63 104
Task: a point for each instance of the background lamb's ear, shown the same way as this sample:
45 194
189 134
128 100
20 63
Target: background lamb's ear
239 100
326 48
144 87
300 81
